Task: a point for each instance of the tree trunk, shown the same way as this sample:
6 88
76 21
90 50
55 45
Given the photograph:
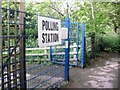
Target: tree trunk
115 27
93 16
119 40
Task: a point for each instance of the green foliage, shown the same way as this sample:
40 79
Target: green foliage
70 66
64 83
49 63
46 8
100 19
98 16
34 51
110 42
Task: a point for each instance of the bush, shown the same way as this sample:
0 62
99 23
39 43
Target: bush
110 42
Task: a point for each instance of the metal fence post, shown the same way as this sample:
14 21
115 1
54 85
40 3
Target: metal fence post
50 53
67 50
82 45
77 43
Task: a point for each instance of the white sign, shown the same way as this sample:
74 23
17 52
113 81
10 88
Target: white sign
64 33
49 33
66 44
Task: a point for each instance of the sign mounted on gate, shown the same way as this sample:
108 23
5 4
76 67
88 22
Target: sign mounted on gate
49 31
64 33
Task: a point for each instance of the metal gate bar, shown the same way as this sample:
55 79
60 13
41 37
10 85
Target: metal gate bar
82 44
60 60
14 54
77 50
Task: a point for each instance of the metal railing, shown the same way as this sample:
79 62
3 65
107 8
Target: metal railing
19 38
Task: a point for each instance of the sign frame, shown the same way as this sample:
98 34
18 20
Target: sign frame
49 31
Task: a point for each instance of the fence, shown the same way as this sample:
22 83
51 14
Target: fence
45 52
19 35
73 44
20 51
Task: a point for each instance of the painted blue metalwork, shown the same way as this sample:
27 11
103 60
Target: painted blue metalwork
50 53
76 40
77 43
63 63
38 76
31 38
73 22
82 45
26 70
32 35
49 78
55 83
22 60
67 50
62 22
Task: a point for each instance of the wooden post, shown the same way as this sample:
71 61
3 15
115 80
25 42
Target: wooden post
45 51
119 56
22 44
8 40
119 41
85 53
1 62
0 31
15 57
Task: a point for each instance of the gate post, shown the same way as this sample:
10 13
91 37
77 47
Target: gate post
77 42
67 50
1 61
82 44
50 53
22 45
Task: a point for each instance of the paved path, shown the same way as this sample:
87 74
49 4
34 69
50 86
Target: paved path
102 74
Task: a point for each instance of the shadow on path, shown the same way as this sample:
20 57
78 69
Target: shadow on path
103 73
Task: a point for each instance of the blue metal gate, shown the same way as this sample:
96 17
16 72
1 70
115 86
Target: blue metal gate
22 66
73 44
21 59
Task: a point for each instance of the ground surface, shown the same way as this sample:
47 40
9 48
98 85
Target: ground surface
44 75
103 73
